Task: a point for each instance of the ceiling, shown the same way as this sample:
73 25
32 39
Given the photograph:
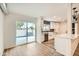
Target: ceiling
39 9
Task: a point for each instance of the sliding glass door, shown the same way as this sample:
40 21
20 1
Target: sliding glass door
25 32
31 32
21 34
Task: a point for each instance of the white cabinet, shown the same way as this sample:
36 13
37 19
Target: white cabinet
62 45
65 45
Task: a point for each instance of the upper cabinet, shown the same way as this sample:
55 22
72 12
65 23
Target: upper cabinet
46 25
54 19
52 24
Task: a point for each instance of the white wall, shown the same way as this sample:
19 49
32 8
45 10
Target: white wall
40 34
69 18
10 32
1 32
62 28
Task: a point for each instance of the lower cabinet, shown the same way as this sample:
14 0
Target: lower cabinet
65 46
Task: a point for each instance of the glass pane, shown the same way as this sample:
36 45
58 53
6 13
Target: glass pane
31 32
25 32
20 32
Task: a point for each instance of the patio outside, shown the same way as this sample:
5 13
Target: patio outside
25 32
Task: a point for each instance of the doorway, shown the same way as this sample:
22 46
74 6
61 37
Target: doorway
25 32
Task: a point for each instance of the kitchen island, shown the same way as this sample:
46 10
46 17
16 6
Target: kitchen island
66 44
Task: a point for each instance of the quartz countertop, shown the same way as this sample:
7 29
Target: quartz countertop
66 36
